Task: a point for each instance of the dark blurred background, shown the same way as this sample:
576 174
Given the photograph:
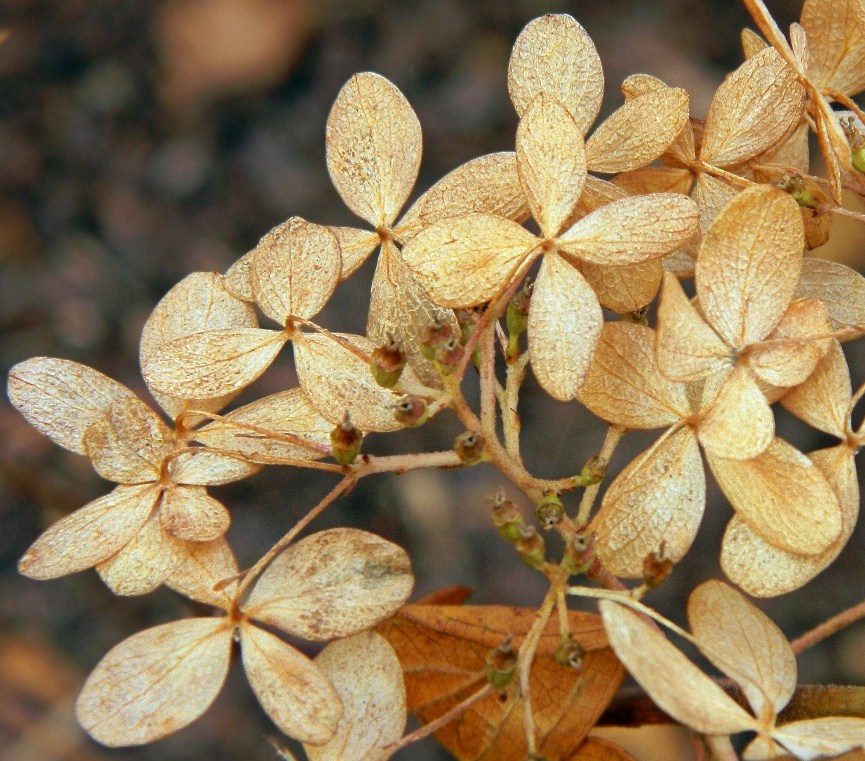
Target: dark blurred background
141 141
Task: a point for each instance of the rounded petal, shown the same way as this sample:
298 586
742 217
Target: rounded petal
190 514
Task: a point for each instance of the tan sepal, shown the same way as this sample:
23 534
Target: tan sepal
655 179
597 193
836 43
207 565
635 85
374 147
762 748
840 288
90 534
792 152
556 56
624 289
488 184
752 43
686 347
749 264
293 691
822 400
286 412
355 247
190 514
366 673
656 502
198 302
61 398
565 321
782 496
401 306
332 584
762 569
155 682
624 384
672 681
632 229
295 269
336 380
753 109
711 195
790 353
238 279
214 363
820 738
466 260
638 132
145 562
551 162
738 423
198 467
745 644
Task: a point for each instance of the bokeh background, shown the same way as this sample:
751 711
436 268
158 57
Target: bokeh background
141 141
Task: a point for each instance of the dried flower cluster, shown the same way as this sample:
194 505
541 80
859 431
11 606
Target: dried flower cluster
726 203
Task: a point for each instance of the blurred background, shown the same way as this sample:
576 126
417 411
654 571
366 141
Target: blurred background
141 141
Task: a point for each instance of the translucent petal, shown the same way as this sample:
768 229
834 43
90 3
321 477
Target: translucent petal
555 55
373 147
655 179
198 467
238 277
842 290
203 573
156 682
817 738
836 44
355 247
332 584
624 289
823 399
711 195
565 322
190 514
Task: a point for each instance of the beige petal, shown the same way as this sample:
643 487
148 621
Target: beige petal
556 56
366 673
467 260
245 429
355 247
214 363
826 736
156 682
197 303
745 644
624 289
203 574
836 44
782 496
597 193
672 681
749 264
373 147
190 514
656 501
61 398
633 229
332 584
655 179
842 290
752 43
129 443
711 195
295 269
762 569
400 305
762 748
598 749
739 424
145 562
638 132
625 386
822 400
791 152
238 277
488 184
792 351
293 691
753 109
90 534
551 162
198 467
336 380
565 321
686 347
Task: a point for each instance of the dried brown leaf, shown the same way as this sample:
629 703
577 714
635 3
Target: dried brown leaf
190 514
373 147
556 56
332 584
156 682
839 287
823 399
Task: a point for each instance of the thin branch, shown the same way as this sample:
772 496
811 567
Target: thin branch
828 628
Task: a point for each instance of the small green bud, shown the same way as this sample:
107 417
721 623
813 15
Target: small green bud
345 441
531 548
501 664
858 159
550 511
594 471
434 335
855 133
410 411
570 654
802 193
387 362
579 554
467 319
469 446
449 355
507 518
656 568
517 316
